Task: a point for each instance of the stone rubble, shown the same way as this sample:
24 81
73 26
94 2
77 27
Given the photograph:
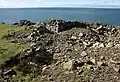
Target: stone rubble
75 53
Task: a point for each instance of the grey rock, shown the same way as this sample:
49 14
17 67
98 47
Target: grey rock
101 45
91 61
32 44
69 65
32 63
99 63
102 57
113 29
37 49
30 36
74 37
83 53
81 34
116 69
85 43
29 51
110 44
100 27
89 66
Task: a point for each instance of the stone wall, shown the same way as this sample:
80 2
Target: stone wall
58 26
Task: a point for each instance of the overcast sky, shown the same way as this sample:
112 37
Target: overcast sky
59 3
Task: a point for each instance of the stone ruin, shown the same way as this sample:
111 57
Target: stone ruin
57 26
61 25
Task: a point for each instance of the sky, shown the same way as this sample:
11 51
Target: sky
58 3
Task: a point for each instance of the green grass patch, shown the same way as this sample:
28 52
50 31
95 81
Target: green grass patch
4 29
8 49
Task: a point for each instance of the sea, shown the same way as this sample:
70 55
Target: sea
103 15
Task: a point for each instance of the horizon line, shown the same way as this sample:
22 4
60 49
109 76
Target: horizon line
62 7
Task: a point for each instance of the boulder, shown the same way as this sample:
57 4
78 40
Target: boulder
69 65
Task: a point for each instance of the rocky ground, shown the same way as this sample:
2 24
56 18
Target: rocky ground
64 51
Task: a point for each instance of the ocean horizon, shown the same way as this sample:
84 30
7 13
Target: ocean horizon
103 15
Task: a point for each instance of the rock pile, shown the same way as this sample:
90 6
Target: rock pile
68 53
34 57
98 36
24 23
53 25
61 25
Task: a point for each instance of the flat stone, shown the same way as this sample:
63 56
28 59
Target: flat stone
89 66
117 69
93 61
74 37
83 54
69 65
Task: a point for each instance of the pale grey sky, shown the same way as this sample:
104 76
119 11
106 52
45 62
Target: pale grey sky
59 3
